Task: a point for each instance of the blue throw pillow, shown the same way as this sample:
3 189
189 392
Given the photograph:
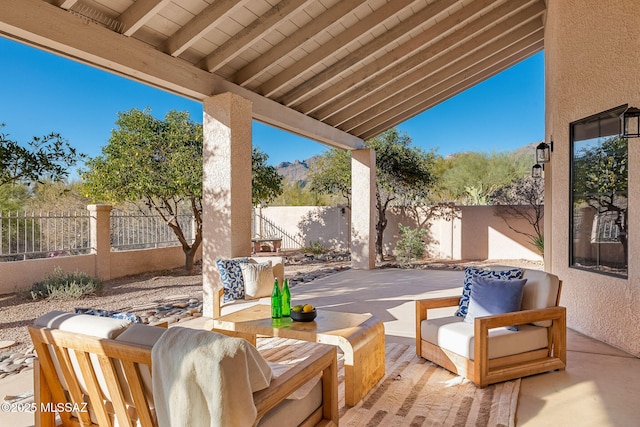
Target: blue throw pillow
231 277
493 296
471 272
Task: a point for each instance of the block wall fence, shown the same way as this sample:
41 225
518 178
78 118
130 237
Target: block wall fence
474 233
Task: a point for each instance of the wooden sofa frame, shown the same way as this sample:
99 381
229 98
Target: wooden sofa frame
49 393
484 371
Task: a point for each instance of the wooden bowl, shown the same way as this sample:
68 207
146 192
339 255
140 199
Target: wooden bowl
301 316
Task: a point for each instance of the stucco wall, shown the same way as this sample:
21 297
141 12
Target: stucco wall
126 263
592 51
20 275
476 232
328 225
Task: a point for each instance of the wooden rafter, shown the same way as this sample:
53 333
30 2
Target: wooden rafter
200 25
416 109
334 71
261 64
323 78
396 62
357 30
256 30
139 13
460 55
446 89
503 46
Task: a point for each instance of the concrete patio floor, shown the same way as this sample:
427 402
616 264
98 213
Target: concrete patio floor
600 387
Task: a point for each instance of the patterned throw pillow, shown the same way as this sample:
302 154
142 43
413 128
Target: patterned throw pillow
231 277
120 315
471 272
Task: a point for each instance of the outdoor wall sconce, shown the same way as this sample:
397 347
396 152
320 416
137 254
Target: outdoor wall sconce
543 155
630 123
543 152
536 171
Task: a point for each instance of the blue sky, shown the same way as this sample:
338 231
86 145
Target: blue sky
44 93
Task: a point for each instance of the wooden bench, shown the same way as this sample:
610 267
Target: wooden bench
274 242
96 380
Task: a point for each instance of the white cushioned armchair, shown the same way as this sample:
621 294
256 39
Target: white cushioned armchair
233 296
483 349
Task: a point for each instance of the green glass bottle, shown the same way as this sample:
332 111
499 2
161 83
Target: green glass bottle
286 299
276 301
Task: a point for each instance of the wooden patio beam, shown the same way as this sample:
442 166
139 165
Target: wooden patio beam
442 92
357 30
200 25
243 40
139 13
459 58
48 27
404 59
448 76
401 29
265 61
65 4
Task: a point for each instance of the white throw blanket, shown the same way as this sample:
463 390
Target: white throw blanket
206 379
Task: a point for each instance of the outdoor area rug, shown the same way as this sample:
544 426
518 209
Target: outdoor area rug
415 392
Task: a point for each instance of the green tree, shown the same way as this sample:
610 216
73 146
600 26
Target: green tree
471 178
331 174
49 156
404 174
296 194
266 182
159 162
155 161
13 197
57 197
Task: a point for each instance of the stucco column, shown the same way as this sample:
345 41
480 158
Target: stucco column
226 219
100 235
363 203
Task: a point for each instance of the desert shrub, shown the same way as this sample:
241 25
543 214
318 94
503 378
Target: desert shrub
315 248
64 286
538 242
410 247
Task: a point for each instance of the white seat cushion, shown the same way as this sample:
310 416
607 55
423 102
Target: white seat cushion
292 411
540 291
453 334
101 327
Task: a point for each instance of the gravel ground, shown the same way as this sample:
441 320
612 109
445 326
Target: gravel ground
128 294
17 311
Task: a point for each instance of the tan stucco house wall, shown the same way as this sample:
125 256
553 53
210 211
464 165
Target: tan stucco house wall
592 50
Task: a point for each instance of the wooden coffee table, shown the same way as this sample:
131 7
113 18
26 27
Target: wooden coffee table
359 336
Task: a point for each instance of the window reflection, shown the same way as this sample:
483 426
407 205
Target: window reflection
599 195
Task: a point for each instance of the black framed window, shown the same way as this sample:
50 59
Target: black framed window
599 191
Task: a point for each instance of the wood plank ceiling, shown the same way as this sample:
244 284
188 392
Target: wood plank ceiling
360 66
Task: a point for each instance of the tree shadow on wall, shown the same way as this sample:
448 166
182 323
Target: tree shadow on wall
328 225
421 217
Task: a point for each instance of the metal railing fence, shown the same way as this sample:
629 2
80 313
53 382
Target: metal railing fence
137 230
29 235
265 228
